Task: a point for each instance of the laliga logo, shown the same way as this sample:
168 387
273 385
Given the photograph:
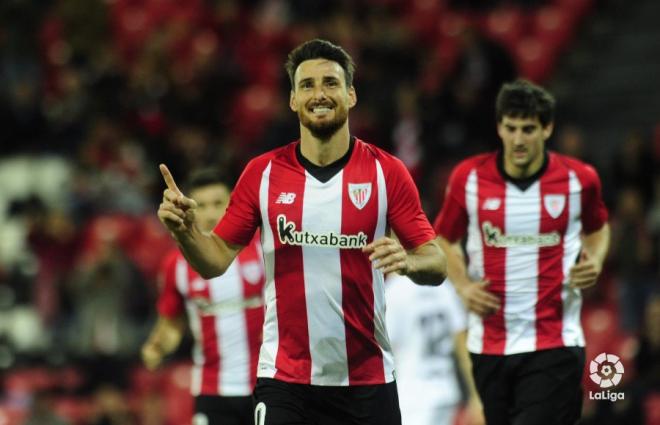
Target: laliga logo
606 370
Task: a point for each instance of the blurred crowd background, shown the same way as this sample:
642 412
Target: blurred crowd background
95 93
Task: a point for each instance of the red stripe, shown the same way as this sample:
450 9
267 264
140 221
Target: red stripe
549 307
365 362
293 362
211 365
494 338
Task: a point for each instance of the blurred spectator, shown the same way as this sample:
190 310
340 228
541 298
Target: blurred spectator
110 305
462 121
111 408
633 165
42 412
570 141
633 256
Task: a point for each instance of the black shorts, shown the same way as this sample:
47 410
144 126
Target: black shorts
221 410
541 387
282 403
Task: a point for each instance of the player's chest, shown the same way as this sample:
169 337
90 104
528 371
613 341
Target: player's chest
324 211
543 206
238 282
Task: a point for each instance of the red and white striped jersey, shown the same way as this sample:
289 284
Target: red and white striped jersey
225 314
325 308
524 242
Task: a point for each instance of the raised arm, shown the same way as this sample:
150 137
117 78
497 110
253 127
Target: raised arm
474 295
207 253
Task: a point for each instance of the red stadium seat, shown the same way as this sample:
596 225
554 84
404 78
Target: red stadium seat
76 410
553 26
451 24
506 25
534 59
652 409
12 415
577 9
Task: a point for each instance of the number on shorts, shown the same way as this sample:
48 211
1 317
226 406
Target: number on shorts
260 414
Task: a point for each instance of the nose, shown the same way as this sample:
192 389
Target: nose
518 137
319 92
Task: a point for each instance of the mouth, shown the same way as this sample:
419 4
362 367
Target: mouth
320 110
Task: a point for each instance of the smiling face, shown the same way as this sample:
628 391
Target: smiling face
320 97
523 140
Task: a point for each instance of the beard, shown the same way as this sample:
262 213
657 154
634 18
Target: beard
326 129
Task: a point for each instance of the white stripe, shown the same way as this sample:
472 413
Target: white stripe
572 334
380 331
268 352
475 253
522 217
231 328
195 327
322 211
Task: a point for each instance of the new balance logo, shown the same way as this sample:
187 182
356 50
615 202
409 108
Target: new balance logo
286 198
492 204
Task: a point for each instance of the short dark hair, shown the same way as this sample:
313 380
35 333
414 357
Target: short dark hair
523 99
320 49
206 177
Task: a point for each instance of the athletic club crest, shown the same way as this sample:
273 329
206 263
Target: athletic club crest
554 204
359 194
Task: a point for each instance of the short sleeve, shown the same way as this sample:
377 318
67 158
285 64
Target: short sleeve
170 302
594 211
451 222
242 217
405 214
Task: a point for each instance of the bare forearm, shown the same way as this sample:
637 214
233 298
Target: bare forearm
427 264
167 334
465 363
209 255
456 268
597 243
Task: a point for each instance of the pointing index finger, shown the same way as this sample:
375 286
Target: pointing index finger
169 180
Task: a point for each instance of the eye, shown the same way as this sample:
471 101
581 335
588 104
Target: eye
529 129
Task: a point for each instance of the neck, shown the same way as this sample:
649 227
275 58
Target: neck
322 152
521 172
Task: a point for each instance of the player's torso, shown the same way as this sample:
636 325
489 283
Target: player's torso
524 242
239 288
520 235
319 282
225 316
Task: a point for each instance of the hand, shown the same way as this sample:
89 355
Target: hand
387 255
152 355
474 413
176 212
477 298
585 273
